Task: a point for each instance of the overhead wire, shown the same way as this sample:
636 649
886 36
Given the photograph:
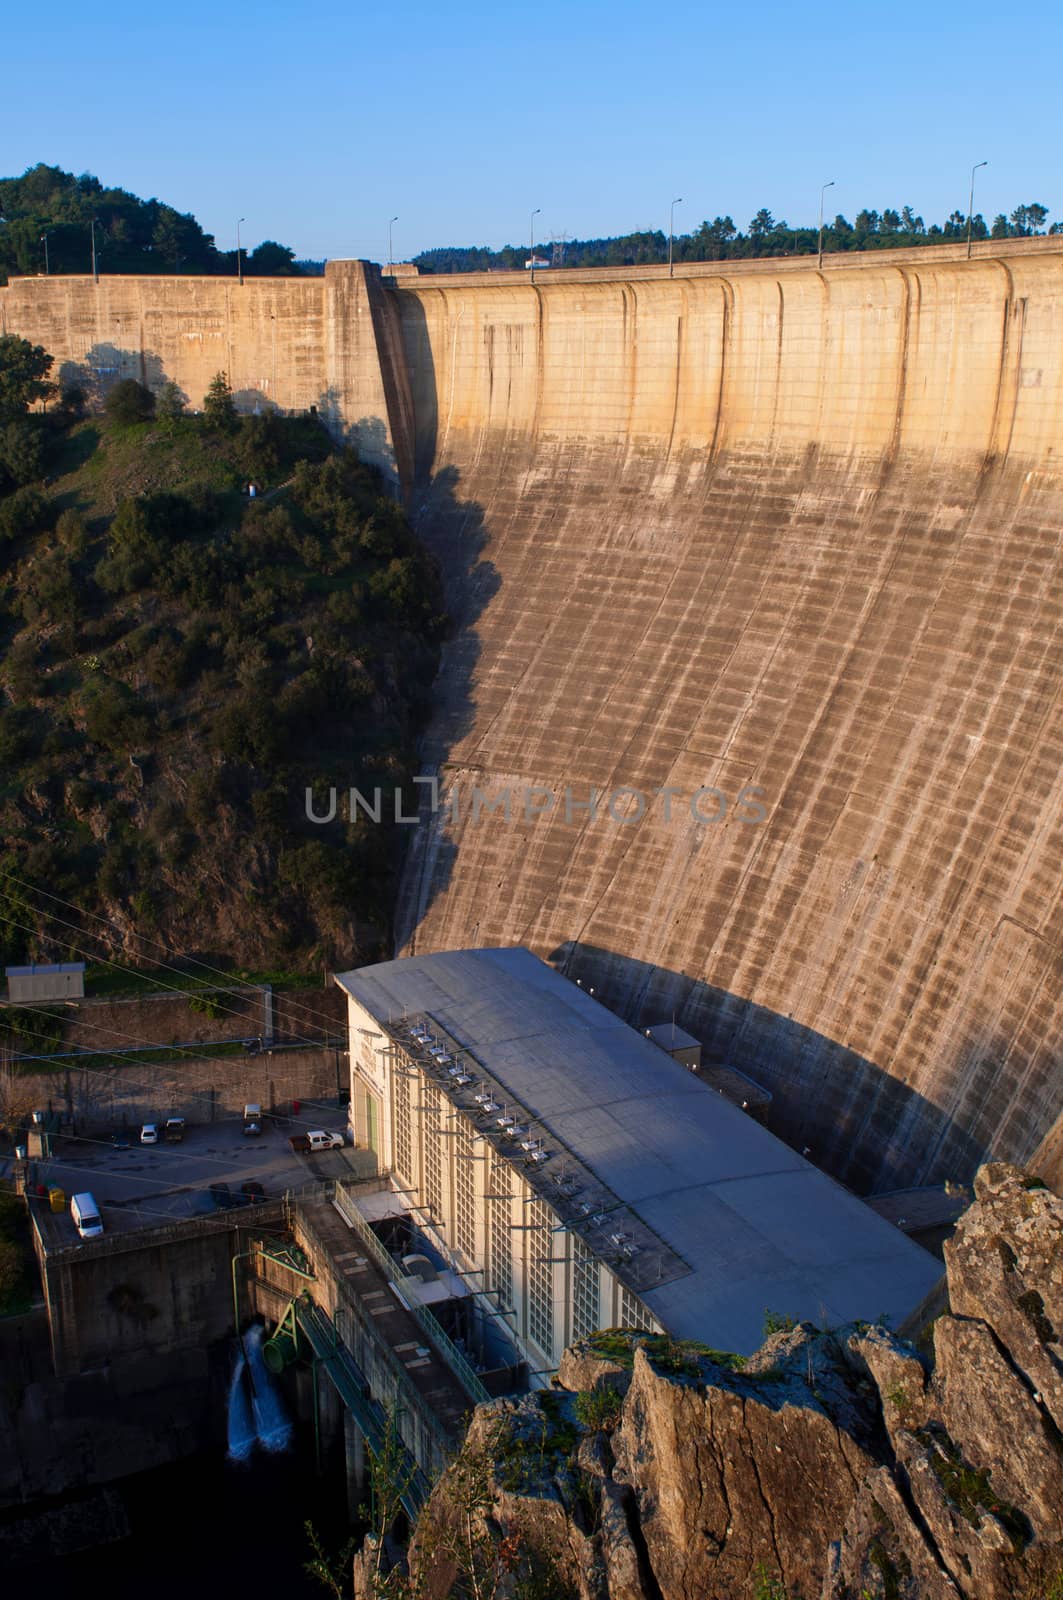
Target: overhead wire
322 1020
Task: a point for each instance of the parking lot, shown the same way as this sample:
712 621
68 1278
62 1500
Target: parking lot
147 1185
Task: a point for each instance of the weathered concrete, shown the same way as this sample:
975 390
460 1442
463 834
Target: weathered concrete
780 527
101 1096
753 524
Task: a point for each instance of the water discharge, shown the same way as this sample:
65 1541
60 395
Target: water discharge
257 1413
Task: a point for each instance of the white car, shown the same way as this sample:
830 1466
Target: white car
149 1133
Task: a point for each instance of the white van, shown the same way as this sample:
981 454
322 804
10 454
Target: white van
86 1215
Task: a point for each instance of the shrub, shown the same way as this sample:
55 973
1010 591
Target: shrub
598 1408
170 404
48 589
114 717
23 451
258 445
129 402
15 740
71 532
23 513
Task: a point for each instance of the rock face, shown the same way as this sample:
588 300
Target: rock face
842 1465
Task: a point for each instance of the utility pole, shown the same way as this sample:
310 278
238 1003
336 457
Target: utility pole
531 240
970 205
95 270
671 230
822 192
239 258
391 247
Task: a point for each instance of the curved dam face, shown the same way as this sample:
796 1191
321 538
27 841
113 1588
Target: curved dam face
776 527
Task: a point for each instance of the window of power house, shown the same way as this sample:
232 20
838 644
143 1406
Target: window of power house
432 1122
403 1125
465 1191
540 1279
633 1313
586 1290
500 1238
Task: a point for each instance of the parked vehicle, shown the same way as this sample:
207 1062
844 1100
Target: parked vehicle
252 1119
86 1215
223 1197
317 1139
149 1133
174 1130
119 1139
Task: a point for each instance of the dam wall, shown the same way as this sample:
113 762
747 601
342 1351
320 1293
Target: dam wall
754 526
787 528
296 343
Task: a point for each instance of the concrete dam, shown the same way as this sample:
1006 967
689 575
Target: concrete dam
756 525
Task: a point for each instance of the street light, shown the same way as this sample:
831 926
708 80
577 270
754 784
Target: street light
391 247
970 205
95 269
239 259
531 240
822 192
44 241
671 230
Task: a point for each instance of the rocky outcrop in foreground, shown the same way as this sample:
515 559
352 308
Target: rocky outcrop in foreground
842 1465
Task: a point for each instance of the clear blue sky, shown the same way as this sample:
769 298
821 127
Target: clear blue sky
317 123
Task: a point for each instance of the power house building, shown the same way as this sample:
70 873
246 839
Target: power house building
572 1176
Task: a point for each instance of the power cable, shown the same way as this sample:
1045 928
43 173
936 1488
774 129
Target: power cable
203 966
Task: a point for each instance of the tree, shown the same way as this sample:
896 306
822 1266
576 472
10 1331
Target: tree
1029 219
24 371
22 451
762 224
1000 228
910 222
867 222
129 402
219 407
891 221
272 260
170 404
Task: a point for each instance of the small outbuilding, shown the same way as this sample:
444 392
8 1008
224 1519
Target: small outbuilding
28 985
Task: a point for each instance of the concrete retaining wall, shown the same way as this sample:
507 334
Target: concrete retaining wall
201 1089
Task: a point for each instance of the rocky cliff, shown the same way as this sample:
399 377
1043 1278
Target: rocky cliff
833 1465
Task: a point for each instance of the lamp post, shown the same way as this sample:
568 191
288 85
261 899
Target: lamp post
95 269
239 257
671 230
970 205
44 241
822 192
531 240
391 247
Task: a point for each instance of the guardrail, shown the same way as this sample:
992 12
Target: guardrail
408 1287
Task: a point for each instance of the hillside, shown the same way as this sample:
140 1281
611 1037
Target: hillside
131 235
179 664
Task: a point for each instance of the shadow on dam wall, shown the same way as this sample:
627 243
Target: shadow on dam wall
794 531
855 1118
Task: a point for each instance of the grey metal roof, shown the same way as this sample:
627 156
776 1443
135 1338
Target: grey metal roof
759 1225
38 971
